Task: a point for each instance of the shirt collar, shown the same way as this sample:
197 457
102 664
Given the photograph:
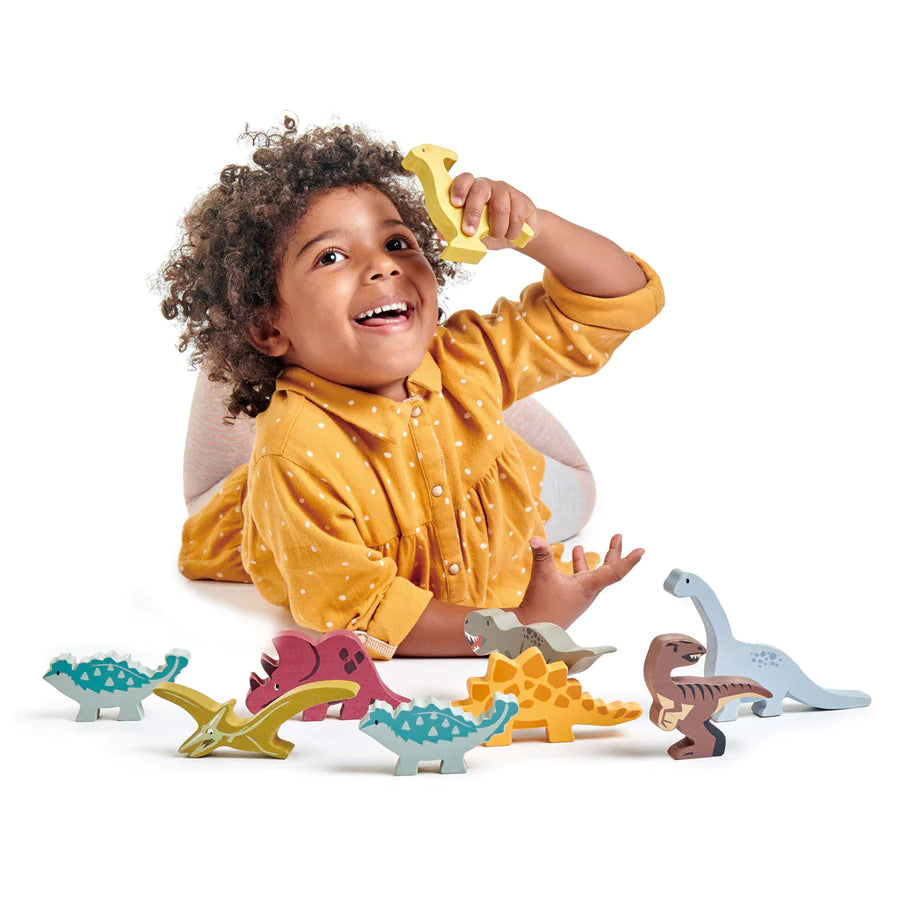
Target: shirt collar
379 416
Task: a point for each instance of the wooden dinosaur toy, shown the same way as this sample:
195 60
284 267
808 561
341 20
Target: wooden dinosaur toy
688 704
339 654
219 726
432 166
547 698
489 630
774 668
111 680
431 729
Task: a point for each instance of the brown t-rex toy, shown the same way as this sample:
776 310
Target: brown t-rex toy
688 703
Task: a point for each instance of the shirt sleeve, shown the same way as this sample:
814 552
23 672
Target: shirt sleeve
552 334
332 579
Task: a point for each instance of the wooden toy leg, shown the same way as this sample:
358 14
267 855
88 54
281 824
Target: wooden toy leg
87 714
131 713
770 707
682 750
708 742
729 712
315 713
406 765
356 707
453 765
559 732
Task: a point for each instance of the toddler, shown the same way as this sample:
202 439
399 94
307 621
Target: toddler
390 470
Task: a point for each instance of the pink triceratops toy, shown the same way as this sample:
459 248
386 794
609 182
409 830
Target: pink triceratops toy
303 660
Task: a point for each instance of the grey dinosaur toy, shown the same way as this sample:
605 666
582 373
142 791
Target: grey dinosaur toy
418 731
772 668
110 680
497 630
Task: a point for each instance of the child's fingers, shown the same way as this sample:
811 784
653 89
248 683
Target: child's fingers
543 565
624 566
459 188
499 209
614 554
508 209
579 563
614 568
517 217
476 199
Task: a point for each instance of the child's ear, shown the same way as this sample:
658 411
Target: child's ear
269 339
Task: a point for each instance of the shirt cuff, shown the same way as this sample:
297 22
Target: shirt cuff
394 618
626 313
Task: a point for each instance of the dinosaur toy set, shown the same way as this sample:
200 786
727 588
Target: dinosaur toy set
528 684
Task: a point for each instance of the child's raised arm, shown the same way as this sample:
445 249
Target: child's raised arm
581 259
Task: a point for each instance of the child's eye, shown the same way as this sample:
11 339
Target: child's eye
398 242
330 256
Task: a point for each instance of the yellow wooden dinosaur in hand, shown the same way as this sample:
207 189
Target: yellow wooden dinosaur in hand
432 165
219 726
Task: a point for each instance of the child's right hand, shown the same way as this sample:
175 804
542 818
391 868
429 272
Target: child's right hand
507 207
554 596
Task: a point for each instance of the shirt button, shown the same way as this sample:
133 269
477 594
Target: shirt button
416 411
437 490
453 569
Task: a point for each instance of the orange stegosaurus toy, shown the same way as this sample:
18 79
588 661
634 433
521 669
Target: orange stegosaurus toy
547 697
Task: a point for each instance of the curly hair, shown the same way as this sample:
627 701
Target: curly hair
221 280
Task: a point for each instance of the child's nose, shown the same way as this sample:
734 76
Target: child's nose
383 265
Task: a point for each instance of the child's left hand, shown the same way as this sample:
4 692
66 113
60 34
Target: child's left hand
508 209
553 596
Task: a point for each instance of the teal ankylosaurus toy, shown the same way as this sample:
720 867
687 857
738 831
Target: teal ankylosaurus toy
111 680
435 730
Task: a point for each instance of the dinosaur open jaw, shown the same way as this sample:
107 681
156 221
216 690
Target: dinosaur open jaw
692 657
475 641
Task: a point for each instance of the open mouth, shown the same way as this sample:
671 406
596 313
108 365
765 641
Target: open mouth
475 641
693 657
394 314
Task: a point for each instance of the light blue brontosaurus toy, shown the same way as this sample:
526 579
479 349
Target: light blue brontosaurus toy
767 665
417 731
110 680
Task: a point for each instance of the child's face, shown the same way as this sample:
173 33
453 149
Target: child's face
350 254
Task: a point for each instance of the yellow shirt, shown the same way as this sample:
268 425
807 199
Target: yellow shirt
355 510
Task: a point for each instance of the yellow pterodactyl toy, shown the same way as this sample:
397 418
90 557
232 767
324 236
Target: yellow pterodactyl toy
432 166
219 726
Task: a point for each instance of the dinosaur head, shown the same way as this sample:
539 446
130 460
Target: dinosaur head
675 650
296 660
684 649
476 626
208 736
379 718
61 674
681 584
60 667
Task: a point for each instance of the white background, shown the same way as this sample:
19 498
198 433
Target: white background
748 152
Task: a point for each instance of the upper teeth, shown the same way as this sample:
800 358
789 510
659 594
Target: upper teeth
401 306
